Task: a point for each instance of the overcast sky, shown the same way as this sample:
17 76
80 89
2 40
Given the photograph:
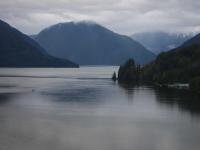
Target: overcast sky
122 16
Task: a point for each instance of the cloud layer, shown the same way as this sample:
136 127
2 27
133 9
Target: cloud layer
122 16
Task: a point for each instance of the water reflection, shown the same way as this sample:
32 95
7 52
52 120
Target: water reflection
5 98
82 112
185 100
111 93
129 90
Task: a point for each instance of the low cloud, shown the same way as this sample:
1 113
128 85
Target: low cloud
122 16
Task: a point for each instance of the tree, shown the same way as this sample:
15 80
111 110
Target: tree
114 77
129 73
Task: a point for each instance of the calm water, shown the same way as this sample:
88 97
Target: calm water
82 109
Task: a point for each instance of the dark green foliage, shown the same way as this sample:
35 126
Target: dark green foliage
18 50
179 65
129 73
195 84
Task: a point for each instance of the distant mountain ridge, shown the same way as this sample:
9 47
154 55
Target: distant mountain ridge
19 50
91 44
159 41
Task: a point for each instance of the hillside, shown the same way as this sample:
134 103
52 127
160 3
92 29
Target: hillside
192 40
178 65
18 50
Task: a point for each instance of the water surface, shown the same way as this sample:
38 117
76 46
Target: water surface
82 109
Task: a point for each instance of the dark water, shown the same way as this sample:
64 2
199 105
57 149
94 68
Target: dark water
82 109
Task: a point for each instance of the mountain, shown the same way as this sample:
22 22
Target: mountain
178 65
91 44
161 41
18 50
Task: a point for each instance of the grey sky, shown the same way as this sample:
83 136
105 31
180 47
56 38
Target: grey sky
122 16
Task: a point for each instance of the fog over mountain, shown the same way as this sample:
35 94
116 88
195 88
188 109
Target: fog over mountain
121 16
18 50
88 43
161 41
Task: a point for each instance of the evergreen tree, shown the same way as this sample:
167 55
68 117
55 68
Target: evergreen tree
129 73
114 77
